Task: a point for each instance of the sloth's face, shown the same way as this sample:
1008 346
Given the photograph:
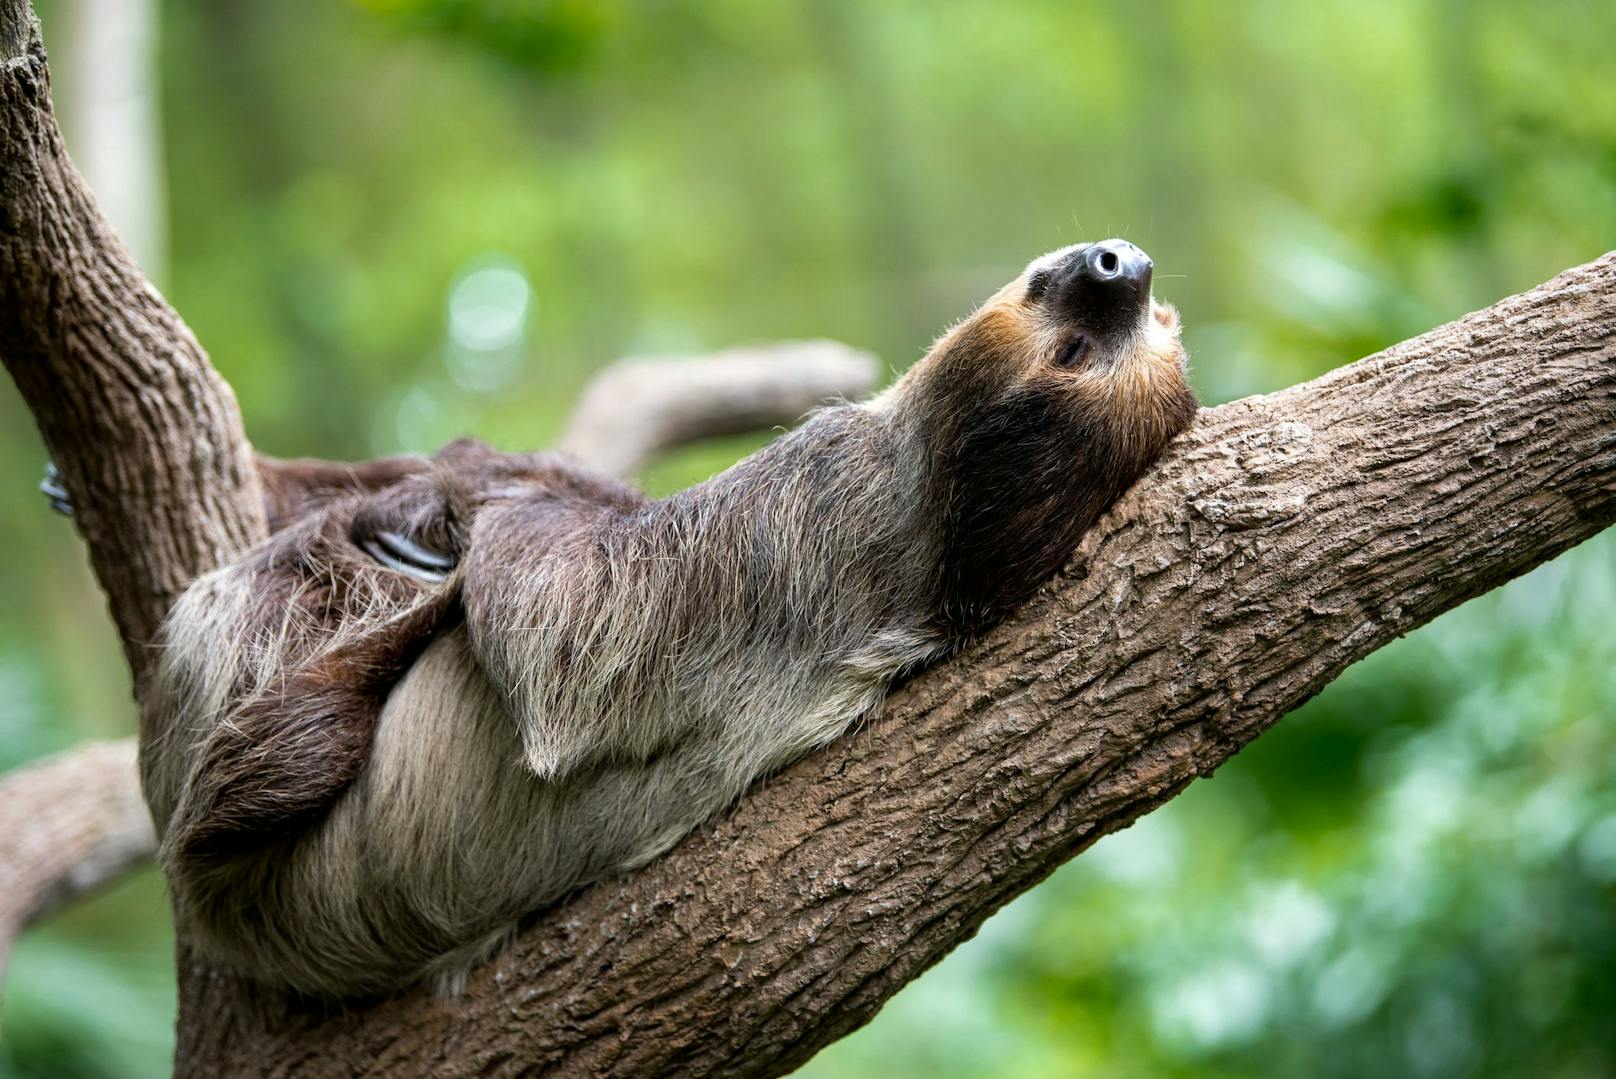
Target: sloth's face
1080 330
1081 322
1038 411
1089 311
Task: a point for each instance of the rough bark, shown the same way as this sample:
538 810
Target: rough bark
147 436
68 825
1283 538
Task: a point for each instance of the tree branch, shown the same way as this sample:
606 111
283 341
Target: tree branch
636 409
68 825
146 434
1283 538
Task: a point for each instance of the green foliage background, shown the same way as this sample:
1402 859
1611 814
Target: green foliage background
1413 875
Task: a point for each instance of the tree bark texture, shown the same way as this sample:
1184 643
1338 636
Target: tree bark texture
146 434
1282 538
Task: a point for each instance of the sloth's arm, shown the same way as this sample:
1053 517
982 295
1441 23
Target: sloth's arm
756 612
278 761
292 486
307 636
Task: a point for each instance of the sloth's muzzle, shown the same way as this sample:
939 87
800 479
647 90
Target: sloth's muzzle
1105 286
1116 264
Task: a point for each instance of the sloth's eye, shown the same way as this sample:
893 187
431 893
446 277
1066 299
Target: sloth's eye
1073 352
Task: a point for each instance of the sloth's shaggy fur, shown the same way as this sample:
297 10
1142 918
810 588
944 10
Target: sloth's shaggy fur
363 778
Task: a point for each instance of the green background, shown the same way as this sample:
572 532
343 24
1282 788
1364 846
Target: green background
398 221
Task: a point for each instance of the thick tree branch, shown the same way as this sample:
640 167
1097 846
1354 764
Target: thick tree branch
146 434
1283 538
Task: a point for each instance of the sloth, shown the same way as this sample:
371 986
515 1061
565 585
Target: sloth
446 693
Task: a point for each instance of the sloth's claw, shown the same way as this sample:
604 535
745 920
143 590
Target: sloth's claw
56 494
398 552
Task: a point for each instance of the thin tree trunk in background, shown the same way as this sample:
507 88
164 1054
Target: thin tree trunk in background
112 120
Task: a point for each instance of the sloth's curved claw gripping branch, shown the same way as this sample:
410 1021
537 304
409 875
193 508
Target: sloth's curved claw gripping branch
55 491
399 552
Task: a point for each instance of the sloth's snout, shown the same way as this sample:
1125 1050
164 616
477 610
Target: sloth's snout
1119 263
1104 287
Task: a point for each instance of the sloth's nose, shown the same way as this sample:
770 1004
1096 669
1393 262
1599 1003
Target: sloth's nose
1104 285
1116 262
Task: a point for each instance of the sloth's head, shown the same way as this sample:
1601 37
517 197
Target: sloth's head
1039 410
1079 331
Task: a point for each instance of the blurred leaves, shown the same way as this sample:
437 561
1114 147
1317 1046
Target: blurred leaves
1414 875
545 37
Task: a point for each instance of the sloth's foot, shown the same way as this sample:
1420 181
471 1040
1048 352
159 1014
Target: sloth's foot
399 552
53 490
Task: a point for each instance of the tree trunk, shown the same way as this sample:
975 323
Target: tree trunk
1281 539
146 434
112 120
